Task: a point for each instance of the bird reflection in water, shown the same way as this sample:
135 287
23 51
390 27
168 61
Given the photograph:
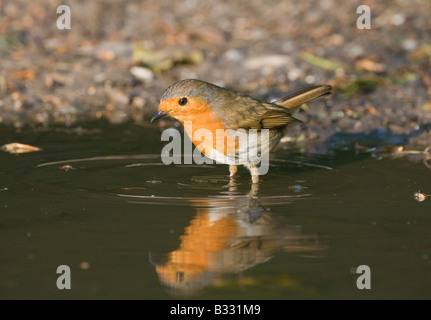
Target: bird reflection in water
229 235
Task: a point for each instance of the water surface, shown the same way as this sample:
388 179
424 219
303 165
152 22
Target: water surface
99 200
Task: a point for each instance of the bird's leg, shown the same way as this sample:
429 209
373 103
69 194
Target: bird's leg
255 178
255 181
232 185
254 190
232 170
254 174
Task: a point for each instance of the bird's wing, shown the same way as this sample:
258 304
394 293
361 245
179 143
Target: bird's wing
249 113
277 118
262 116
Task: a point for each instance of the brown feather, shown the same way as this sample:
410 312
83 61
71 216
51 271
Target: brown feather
274 119
297 99
279 117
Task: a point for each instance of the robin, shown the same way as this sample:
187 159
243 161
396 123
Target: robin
201 105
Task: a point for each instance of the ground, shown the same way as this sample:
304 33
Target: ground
119 56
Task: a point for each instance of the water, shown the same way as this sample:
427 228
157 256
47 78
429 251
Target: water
99 200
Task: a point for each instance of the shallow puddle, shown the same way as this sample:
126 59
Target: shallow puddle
101 202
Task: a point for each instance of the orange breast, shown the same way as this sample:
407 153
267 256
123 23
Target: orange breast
207 132
203 126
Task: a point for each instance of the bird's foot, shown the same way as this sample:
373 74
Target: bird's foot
232 170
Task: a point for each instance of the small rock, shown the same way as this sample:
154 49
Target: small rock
409 44
142 74
234 55
310 79
398 19
118 97
273 61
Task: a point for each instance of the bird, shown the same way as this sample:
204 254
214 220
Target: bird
200 105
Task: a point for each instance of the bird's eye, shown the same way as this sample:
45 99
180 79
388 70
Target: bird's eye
182 101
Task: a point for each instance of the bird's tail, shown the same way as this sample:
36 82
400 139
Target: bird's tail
298 98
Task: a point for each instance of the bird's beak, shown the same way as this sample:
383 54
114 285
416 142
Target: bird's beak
160 114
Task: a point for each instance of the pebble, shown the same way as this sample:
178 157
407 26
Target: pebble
273 61
398 19
409 44
233 55
141 73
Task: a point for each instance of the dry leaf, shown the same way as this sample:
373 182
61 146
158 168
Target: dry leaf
427 106
419 197
16 147
27 74
105 55
67 167
368 65
426 80
63 48
372 110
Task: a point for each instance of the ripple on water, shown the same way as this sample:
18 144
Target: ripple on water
145 179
